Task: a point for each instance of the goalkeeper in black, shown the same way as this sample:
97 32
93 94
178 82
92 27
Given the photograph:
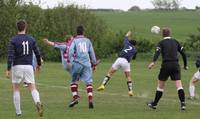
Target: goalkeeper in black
169 47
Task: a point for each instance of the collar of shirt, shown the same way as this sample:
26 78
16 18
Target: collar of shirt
80 36
167 38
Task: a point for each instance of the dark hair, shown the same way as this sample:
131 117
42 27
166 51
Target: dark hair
166 32
21 25
133 42
79 30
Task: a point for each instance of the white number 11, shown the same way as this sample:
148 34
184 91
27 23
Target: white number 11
25 47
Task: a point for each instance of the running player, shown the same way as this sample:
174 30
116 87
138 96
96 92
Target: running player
64 50
81 65
194 80
169 48
123 61
20 56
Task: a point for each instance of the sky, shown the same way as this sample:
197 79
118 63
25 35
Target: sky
114 4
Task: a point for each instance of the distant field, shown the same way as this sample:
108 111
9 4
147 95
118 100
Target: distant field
182 23
53 83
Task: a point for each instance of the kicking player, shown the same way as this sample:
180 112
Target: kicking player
81 65
20 56
169 48
194 80
64 50
123 61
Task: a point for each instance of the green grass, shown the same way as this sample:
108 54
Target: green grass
53 83
182 23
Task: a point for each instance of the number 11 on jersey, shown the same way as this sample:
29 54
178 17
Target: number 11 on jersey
25 47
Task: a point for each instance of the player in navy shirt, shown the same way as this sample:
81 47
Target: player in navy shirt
20 57
123 61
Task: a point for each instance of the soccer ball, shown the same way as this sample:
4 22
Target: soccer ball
155 29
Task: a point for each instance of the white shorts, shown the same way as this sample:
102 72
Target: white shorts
197 75
23 73
121 63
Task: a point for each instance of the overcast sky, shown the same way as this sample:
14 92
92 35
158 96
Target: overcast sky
115 4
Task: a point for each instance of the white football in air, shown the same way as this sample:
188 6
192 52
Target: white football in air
155 29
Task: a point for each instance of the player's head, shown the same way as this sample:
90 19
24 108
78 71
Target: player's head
166 32
68 38
133 42
21 25
80 30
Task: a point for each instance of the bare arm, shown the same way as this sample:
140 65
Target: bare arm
46 41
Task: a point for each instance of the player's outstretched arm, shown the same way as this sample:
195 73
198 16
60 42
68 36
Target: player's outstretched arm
46 41
128 34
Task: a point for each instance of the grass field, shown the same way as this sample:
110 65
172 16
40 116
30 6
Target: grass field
114 103
182 23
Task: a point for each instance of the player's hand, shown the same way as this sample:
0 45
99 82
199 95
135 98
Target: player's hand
45 40
128 33
151 65
7 74
38 68
186 67
94 68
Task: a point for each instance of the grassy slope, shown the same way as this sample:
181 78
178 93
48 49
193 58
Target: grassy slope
113 103
182 23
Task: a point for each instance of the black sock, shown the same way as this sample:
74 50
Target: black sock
157 97
105 81
130 85
181 95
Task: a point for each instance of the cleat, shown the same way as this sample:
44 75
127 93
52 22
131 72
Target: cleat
183 106
74 102
91 106
192 98
130 93
18 115
151 105
25 84
101 88
40 110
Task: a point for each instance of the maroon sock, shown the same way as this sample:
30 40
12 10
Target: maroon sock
74 90
90 92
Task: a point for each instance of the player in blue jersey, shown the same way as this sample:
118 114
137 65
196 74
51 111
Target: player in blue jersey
64 50
123 61
20 57
194 80
81 65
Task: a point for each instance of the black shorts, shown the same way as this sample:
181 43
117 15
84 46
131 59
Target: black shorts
171 69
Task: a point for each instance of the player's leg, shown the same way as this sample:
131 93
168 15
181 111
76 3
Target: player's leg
29 78
106 79
16 98
17 76
193 81
163 76
86 76
181 94
129 83
75 73
112 70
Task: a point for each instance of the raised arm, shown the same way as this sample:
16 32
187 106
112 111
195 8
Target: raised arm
126 38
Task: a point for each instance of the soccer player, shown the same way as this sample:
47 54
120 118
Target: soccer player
123 61
169 48
194 80
81 65
64 50
20 56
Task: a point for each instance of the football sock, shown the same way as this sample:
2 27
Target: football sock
90 92
158 95
192 90
130 85
16 101
74 90
36 96
181 94
105 81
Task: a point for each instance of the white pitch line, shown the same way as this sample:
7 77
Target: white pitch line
111 94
